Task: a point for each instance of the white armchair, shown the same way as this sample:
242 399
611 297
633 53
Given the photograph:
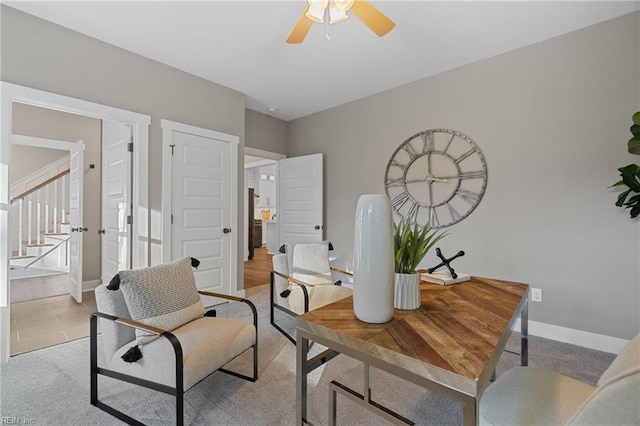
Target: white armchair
303 280
534 396
137 310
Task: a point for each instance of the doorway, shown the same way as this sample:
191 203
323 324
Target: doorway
14 94
295 212
260 166
253 160
46 180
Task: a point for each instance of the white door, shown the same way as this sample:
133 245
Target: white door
116 199
204 203
300 199
76 168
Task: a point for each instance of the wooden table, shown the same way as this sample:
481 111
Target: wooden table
450 345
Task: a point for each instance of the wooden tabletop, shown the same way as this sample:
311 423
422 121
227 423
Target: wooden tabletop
455 338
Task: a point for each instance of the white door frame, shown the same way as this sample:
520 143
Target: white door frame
168 127
10 93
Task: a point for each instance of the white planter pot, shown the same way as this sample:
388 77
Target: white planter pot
407 294
373 263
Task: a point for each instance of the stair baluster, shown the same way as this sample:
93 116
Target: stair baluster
38 217
20 235
30 219
55 207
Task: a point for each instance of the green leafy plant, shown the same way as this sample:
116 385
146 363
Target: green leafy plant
630 198
411 244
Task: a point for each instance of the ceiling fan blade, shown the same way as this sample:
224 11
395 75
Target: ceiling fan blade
372 17
301 29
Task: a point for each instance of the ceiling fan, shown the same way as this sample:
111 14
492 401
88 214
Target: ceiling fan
336 11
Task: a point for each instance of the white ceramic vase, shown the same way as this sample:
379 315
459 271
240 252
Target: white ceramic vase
373 260
407 294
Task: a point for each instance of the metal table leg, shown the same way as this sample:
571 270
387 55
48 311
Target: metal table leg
302 348
524 334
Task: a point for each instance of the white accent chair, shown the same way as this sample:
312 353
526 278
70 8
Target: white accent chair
534 396
303 280
172 363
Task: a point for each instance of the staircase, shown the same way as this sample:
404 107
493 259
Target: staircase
39 229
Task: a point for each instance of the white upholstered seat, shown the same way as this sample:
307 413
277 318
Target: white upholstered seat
534 396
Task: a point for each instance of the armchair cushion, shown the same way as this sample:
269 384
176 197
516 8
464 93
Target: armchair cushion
532 396
310 263
208 343
319 295
628 358
163 296
113 335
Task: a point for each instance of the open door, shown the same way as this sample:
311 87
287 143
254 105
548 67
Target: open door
116 199
76 168
300 199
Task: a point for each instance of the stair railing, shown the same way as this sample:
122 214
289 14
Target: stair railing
63 242
46 206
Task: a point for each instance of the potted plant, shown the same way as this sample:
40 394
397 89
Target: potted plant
411 244
630 198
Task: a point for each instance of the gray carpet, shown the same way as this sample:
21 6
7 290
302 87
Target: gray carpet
51 386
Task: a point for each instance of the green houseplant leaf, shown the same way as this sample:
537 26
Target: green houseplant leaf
630 198
634 145
411 244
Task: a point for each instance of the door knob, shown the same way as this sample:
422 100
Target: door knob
317 227
226 230
79 229
101 231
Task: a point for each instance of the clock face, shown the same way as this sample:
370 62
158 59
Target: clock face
436 177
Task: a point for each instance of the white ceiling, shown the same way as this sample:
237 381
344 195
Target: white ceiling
241 44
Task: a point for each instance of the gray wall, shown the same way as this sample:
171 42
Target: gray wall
552 120
265 132
45 123
28 159
39 54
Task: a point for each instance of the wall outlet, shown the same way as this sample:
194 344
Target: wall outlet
536 294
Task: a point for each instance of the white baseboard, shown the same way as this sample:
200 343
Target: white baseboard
585 339
90 285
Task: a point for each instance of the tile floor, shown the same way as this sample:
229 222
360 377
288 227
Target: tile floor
43 322
46 322
39 323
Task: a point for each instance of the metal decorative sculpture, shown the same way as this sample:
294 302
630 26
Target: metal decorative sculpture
446 262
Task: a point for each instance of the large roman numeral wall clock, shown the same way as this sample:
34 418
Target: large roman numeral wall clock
436 177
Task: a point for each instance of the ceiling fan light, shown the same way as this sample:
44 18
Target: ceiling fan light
336 15
316 10
342 5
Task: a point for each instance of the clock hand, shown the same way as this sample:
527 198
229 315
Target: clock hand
428 179
435 179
